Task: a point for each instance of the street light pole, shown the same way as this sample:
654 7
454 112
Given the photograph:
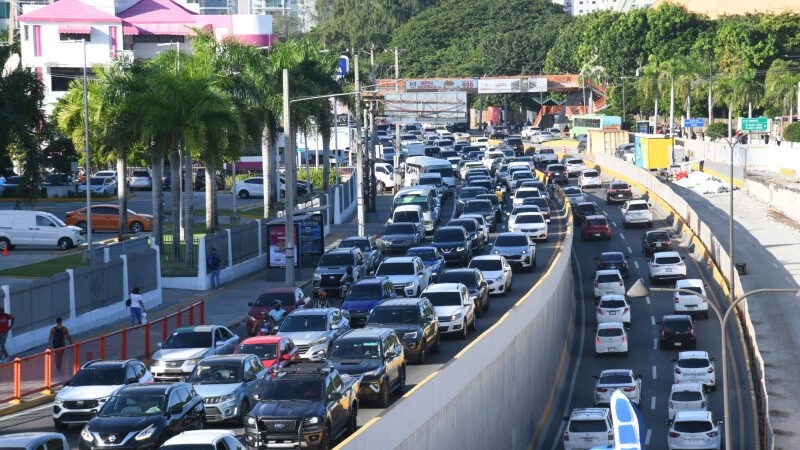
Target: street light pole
359 152
290 185
639 289
88 159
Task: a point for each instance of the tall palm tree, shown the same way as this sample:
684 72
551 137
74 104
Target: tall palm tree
747 89
780 85
649 86
590 75
680 72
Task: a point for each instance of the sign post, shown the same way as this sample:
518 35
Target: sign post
693 123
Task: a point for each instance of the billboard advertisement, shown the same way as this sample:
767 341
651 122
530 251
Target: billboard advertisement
441 85
415 107
534 85
277 245
499 85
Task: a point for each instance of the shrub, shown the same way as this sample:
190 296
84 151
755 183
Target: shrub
792 132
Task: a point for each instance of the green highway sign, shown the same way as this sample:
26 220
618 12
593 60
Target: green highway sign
753 124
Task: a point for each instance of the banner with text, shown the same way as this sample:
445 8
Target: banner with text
511 85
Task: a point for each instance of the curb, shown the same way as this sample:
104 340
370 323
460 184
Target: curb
27 404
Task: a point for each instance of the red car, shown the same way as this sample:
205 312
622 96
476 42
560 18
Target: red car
290 298
273 351
595 227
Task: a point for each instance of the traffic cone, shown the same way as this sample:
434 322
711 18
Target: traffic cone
5 250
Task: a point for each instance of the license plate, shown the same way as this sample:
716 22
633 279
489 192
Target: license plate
612 349
691 306
619 195
596 235
613 313
678 344
669 270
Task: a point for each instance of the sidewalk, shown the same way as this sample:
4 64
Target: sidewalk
769 243
224 306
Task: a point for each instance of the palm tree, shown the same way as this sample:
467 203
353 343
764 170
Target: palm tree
746 90
590 75
780 86
650 87
680 72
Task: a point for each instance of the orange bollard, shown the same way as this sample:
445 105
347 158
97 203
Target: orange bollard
5 250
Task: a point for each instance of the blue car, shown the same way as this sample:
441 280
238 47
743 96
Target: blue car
364 295
432 257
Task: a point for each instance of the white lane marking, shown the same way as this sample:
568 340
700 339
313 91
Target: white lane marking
630 250
647 299
655 374
653 320
605 213
789 279
655 343
652 403
614 223
647 436
26 412
636 263
622 236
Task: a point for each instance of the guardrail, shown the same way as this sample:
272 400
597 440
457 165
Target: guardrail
43 371
718 261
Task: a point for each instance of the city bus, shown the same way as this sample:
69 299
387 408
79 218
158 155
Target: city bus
583 123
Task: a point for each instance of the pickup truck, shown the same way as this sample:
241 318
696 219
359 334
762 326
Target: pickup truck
545 156
305 404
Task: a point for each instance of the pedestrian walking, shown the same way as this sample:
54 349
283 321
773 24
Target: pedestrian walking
213 263
6 324
59 335
136 306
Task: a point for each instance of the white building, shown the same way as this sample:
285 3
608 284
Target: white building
587 6
51 35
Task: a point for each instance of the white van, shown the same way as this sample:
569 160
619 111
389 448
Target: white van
408 214
418 165
384 174
37 228
425 198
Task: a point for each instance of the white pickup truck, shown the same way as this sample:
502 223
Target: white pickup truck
544 156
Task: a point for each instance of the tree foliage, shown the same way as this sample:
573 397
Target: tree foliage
792 132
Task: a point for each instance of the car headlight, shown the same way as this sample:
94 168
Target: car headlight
525 252
409 284
498 279
319 341
460 249
311 420
192 362
147 433
250 421
455 317
373 373
156 362
58 401
495 252
85 435
412 335
317 277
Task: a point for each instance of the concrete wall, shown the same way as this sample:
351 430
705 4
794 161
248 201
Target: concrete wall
491 394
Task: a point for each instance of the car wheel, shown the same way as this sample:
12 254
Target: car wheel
81 225
325 442
137 227
423 354
352 421
65 243
243 410
5 244
464 325
60 426
244 194
201 425
478 309
401 383
381 187
383 395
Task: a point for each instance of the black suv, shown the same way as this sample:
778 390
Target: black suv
377 355
474 281
144 416
618 192
414 321
613 260
515 143
583 210
473 232
496 205
656 241
305 404
677 331
454 243
483 207
332 268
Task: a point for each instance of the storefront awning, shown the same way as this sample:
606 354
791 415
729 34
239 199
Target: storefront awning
74 29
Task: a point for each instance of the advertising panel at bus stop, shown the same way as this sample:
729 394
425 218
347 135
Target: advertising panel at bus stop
277 245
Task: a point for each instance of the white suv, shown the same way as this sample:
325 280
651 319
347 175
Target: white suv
611 337
636 212
686 397
694 429
666 265
455 310
587 428
203 439
531 223
589 178
496 270
407 274
608 282
695 367
614 308
685 303
623 379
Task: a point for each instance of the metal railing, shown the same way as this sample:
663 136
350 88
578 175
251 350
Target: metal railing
43 371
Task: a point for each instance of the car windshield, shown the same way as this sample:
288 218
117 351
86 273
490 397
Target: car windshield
477 206
491 198
188 447
426 254
555 168
612 257
266 300
521 175
608 278
511 241
598 222
292 389
668 260
587 209
618 186
616 378
399 315
336 259
470 225
513 141
418 200
445 235
530 218
444 298
395 268
638 207
465 277
486 265
613 304
364 291
406 216
590 174
356 349
304 322
445 172
468 193
525 208
435 181
540 202
96 181
609 332
262 351
656 237
140 173
222 373
98 376
361 244
588 426
693 363
693 426
400 228
188 339
133 404
575 161
676 326
572 191
687 396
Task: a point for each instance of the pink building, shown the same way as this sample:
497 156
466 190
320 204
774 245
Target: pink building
51 34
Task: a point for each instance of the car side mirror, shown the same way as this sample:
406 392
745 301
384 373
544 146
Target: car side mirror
720 422
219 343
159 344
674 360
638 375
391 355
713 359
668 422
176 409
335 396
484 284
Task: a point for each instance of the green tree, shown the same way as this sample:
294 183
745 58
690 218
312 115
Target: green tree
792 132
717 130
780 87
357 24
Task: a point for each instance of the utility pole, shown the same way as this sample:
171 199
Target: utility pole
290 186
88 159
336 136
623 100
710 91
359 154
397 148
373 135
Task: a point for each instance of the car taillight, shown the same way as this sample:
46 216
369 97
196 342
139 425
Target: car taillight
654 265
703 404
624 338
677 370
566 436
680 264
677 300
673 434
669 242
596 284
600 311
710 370
662 333
711 434
670 404
610 435
691 331
602 390
597 340
629 389
625 311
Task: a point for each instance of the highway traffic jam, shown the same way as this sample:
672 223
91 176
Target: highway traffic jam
473 226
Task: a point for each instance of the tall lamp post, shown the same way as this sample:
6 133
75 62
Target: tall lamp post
640 290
